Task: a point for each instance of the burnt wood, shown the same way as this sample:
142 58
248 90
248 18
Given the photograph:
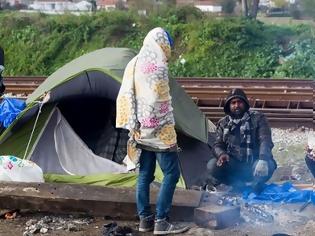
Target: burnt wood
217 217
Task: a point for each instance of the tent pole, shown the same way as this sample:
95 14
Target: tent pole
32 133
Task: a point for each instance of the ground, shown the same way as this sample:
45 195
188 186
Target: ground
286 218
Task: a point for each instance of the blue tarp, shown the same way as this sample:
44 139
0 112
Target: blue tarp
280 193
9 110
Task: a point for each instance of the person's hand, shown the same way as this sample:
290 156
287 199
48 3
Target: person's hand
222 159
261 168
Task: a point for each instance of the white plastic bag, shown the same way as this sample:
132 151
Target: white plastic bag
18 170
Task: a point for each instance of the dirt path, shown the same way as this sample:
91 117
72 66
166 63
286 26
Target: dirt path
288 152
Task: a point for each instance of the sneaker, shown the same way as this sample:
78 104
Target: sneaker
146 223
162 227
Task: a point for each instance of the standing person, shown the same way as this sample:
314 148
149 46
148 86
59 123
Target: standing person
243 146
144 107
2 87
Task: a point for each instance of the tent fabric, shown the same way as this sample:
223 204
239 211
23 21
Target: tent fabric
83 90
188 118
86 84
65 153
68 145
280 193
9 110
57 171
112 62
193 159
44 153
15 138
109 180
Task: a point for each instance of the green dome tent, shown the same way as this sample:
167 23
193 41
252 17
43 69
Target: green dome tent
62 135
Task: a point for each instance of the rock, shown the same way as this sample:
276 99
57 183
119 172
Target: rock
34 228
30 222
47 219
72 227
43 230
26 233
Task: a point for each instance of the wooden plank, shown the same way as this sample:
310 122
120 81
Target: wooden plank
305 186
118 203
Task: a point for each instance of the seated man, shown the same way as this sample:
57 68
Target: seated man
310 155
243 146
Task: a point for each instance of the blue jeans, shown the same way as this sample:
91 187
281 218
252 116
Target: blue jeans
169 164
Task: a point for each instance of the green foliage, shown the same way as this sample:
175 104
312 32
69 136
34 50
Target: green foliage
38 44
186 14
300 63
228 48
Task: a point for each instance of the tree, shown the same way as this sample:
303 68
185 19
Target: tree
94 6
245 8
254 11
309 7
250 8
120 5
2 4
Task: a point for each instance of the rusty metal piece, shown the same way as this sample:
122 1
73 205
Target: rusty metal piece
285 102
217 217
10 215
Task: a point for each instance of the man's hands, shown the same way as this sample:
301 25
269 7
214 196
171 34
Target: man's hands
222 159
261 168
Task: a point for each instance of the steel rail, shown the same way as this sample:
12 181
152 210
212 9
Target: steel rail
286 102
238 82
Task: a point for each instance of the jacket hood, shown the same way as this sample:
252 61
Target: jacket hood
235 93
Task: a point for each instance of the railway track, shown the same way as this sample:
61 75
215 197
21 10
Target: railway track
286 102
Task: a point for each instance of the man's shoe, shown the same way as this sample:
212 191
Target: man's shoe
163 227
146 223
